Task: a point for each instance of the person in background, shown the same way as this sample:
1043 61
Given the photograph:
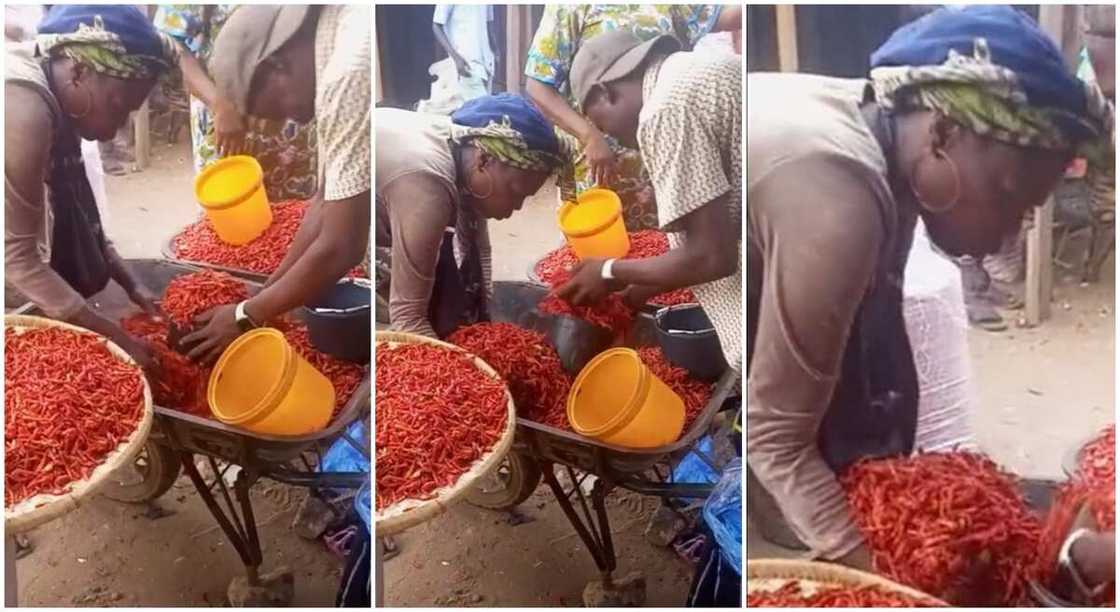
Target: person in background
603 161
439 179
683 112
467 32
944 129
89 67
284 149
307 64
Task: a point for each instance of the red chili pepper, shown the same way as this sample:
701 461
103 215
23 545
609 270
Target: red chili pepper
199 242
537 381
552 269
190 295
1093 485
436 415
56 383
791 595
694 393
926 518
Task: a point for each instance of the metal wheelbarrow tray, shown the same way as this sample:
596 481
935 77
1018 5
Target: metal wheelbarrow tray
539 449
177 437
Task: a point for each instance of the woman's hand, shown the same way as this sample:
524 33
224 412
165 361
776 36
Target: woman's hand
462 66
141 352
600 158
229 128
146 300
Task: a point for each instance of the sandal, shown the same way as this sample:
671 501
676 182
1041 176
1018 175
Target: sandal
985 317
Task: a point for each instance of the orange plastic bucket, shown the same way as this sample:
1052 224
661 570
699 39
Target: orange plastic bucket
593 225
232 193
618 400
262 384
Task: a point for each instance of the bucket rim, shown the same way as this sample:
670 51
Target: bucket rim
220 165
567 207
284 381
633 403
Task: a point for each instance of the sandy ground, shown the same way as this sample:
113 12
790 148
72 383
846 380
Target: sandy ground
1041 391
107 553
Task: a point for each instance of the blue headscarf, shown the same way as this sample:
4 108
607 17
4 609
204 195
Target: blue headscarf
509 127
994 70
116 40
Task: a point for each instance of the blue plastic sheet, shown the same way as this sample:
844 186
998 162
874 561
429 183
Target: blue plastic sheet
695 469
343 457
723 512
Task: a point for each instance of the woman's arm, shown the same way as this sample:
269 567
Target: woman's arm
27 137
229 125
818 242
308 230
419 211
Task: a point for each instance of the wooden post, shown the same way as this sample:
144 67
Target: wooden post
142 128
378 93
519 35
1055 21
786 15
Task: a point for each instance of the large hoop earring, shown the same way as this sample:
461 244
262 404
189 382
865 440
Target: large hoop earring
89 103
937 210
474 195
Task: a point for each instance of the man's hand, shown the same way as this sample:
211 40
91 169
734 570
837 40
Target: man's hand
600 159
218 329
638 296
229 128
587 284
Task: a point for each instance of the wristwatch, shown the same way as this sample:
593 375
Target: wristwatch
1065 561
244 321
607 271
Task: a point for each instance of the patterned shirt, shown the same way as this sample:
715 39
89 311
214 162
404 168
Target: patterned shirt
342 100
689 131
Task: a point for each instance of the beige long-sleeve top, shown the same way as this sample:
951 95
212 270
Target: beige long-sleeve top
817 188
417 199
30 119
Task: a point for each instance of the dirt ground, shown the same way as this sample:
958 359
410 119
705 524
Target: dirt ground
108 553
1041 391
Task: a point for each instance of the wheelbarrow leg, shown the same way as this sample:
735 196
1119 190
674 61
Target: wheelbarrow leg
596 536
277 588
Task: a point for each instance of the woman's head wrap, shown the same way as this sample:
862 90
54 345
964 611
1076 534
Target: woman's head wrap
114 40
511 129
993 70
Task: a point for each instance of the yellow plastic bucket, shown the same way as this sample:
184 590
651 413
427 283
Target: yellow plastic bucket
593 225
618 400
232 193
262 384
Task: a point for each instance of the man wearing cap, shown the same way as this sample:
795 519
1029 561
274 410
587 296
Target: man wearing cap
684 111
305 63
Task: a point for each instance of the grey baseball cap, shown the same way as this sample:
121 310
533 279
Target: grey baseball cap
612 56
251 34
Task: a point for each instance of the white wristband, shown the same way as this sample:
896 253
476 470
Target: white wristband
607 271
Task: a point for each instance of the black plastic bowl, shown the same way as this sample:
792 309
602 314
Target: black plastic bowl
340 321
689 341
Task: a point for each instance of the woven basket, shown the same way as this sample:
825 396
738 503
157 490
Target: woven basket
40 509
771 574
411 512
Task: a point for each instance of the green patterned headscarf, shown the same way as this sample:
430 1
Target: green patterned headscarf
511 129
105 51
992 70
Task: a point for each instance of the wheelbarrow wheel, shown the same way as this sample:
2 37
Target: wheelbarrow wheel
514 480
154 470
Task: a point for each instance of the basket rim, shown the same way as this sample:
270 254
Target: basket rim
43 508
